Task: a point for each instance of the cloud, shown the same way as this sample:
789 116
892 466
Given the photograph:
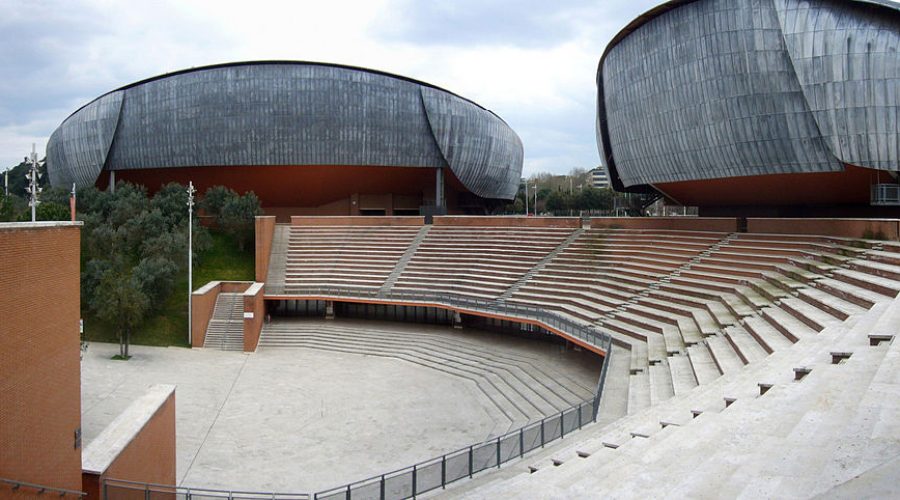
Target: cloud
531 62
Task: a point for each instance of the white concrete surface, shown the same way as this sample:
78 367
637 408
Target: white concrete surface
112 441
297 420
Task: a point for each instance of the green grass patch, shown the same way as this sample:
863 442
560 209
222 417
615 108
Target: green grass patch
168 327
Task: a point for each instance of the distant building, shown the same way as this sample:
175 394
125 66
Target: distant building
599 178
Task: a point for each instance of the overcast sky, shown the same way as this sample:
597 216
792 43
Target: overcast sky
532 62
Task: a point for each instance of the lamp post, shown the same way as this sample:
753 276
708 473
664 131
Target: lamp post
534 188
33 189
190 204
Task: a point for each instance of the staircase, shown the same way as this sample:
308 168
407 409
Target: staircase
401 264
540 265
226 328
277 259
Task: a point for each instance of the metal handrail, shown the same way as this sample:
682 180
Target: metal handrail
188 492
588 333
348 488
42 488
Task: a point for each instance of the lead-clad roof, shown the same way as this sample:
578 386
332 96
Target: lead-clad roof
286 113
721 88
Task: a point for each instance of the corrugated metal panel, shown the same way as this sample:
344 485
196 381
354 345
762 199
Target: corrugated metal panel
710 89
847 60
77 150
482 151
303 114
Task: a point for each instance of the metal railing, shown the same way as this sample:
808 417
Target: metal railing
886 194
514 310
117 489
464 462
20 486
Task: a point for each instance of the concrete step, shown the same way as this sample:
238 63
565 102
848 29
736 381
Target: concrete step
614 400
705 369
661 387
531 369
746 347
808 314
823 299
768 337
860 296
720 314
683 379
885 286
735 305
508 399
786 323
638 392
724 355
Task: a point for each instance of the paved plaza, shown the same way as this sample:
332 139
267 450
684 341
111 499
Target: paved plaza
301 419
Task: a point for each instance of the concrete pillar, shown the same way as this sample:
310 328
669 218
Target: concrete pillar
457 320
329 309
439 188
112 181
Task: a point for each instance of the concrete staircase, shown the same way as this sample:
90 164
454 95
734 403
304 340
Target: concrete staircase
540 265
277 259
522 387
226 328
404 260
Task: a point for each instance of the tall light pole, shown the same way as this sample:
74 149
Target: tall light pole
535 199
33 189
190 204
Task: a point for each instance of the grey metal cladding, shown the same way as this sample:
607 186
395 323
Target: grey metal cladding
847 59
291 113
710 89
483 152
77 150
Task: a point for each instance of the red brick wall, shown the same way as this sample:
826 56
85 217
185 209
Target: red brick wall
847 228
413 220
148 458
719 224
265 231
253 303
203 304
487 221
40 382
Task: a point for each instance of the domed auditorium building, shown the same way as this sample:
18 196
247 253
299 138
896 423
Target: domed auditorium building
775 107
307 138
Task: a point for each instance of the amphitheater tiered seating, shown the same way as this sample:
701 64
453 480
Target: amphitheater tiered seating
523 387
799 423
344 256
687 306
477 261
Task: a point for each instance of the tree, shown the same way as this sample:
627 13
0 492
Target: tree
156 278
171 202
11 207
215 199
238 218
47 211
119 299
558 201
